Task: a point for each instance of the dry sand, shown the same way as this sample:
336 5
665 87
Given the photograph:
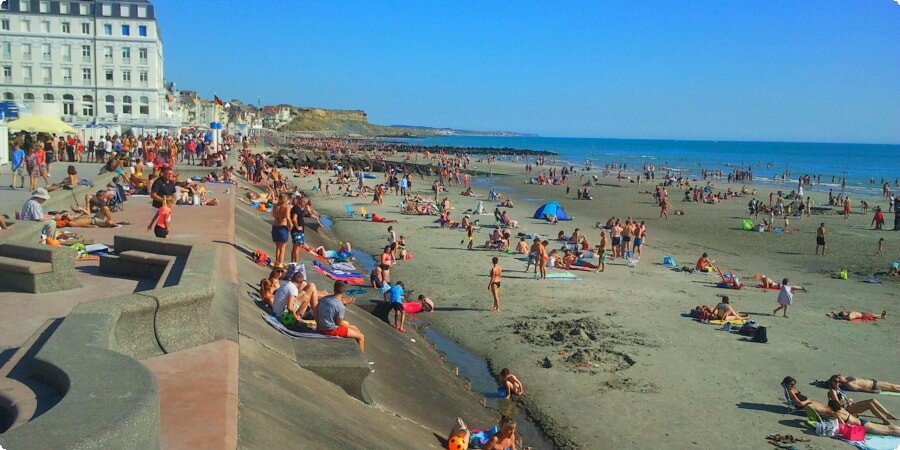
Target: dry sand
608 361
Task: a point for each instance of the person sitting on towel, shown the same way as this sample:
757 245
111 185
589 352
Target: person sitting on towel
725 312
268 286
330 316
704 264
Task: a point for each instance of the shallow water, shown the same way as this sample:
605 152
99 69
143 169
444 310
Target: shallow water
475 369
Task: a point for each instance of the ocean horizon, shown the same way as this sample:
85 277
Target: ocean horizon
864 166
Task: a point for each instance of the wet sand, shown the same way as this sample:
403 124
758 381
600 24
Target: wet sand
608 361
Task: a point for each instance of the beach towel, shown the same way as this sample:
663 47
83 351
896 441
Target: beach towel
345 266
311 334
773 288
565 275
723 322
349 277
872 281
875 442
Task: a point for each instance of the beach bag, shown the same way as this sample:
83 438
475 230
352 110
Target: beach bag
761 335
852 432
827 428
668 261
748 328
843 274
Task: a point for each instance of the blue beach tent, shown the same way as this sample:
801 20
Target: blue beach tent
551 209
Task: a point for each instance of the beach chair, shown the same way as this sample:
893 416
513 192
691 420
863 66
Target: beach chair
812 417
363 212
119 198
793 409
350 212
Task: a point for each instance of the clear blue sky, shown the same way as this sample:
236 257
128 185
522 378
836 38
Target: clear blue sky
824 70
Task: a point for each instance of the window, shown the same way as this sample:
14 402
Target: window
28 98
26 51
109 76
85 53
26 74
23 6
126 104
25 26
108 54
110 104
86 76
9 96
68 104
107 29
45 52
66 27
83 9
142 55
66 52
46 75
126 30
67 75
144 76
49 98
4 24
142 11
45 26
87 105
106 9
124 10
44 7
145 106
85 28
126 54
142 30
126 76
63 8
7 74
6 50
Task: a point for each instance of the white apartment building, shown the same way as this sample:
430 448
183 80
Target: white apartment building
99 61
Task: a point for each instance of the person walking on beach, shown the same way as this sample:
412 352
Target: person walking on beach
160 220
494 283
281 225
820 238
663 208
786 296
879 251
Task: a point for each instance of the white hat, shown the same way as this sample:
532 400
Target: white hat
40 193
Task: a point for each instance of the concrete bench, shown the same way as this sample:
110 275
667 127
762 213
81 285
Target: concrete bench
37 268
336 360
134 263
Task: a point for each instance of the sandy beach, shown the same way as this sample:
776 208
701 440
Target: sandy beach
608 361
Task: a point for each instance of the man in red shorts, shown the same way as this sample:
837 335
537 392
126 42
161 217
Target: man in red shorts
330 316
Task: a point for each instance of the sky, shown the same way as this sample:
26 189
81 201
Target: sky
773 70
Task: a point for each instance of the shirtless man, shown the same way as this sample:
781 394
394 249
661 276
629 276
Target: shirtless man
866 385
601 252
820 238
505 438
281 224
540 249
494 283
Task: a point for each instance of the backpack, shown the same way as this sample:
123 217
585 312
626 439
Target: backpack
260 257
748 328
760 335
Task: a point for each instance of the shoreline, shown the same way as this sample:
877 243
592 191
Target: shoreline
468 323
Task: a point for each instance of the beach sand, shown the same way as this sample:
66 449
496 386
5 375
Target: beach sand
607 360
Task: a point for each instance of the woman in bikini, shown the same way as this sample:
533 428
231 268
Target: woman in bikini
724 311
844 417
494 283
835 393
866 385
387 260
801 401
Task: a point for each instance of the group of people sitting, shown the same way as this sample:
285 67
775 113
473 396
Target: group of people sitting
843 409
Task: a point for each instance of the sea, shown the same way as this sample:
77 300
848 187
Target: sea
865 167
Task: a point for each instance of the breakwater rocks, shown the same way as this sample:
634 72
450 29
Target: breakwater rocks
418 148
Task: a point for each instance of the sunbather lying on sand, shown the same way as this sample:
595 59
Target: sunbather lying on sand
724 311
855 315
844 417
570 259
866 385
801 401
873 406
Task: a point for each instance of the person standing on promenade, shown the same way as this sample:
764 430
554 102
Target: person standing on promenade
494 283
820 238
17 166
786 296
163 187
330 313
281 225
297 237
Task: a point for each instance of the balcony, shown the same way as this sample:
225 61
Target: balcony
67 81
47 80
86 83
86 59
7 80
67 58
143 61
26 56
108 59
47 57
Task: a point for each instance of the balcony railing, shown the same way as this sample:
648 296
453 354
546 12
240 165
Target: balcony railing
47 56
67 81
48 80
67 58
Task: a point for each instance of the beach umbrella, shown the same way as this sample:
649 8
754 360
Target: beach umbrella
41 124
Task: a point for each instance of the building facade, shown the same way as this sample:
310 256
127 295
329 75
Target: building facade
98 61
